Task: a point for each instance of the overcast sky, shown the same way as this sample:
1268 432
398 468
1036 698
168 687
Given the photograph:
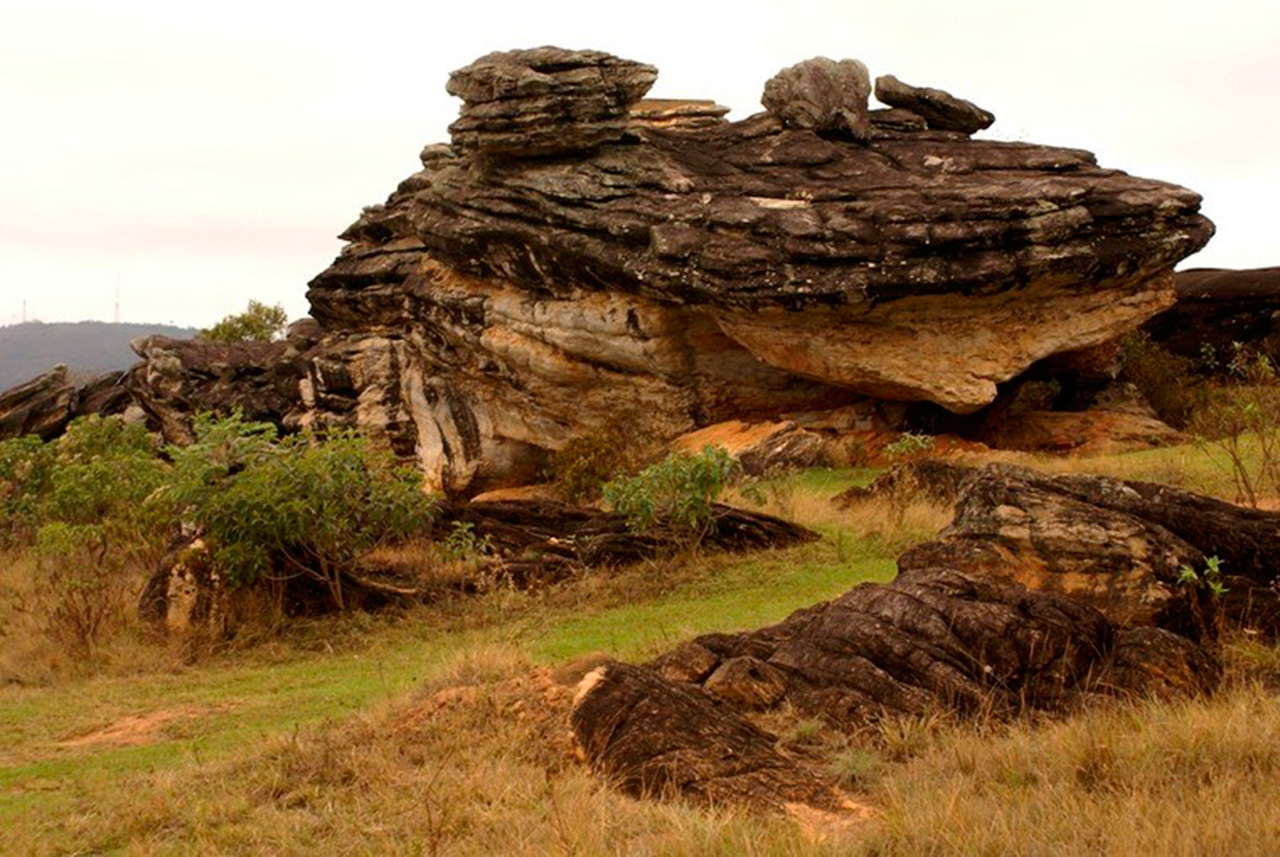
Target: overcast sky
202 154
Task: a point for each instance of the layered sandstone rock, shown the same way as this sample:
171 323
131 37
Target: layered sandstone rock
45 405
1217 308
574 254
941 110
1045 592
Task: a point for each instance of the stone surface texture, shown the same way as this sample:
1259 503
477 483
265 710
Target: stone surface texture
576 253
940 110
821 95
545 100
1219 307
1046 592
504 300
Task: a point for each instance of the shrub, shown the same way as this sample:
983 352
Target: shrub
304 505
26 466
1240 427
681 489
909 445
81 585
1170 382
581 467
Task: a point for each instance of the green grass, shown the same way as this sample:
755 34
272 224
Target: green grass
743 594
239 701
301 745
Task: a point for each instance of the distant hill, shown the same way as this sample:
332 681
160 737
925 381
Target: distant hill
87 347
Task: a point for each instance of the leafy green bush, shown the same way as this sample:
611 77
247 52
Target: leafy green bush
1170 382
909 445
1240 425
258 323
681 489
302 505
26 467
581 467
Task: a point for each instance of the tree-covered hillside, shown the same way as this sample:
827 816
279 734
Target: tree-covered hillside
87 347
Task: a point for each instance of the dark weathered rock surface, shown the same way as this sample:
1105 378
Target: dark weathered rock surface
45 405
1088 432
712 270
1008 529
42 406
652 737
179 378
932 639
577 253
821 95
1218 307
1119 546
545 100
941 110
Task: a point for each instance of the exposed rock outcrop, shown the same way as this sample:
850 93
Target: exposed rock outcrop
45 405
821 95
713 270
545 100
577 252
179 378
1045 592
1218 307
933 639
941 110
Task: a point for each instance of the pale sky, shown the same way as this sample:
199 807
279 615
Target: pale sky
203 154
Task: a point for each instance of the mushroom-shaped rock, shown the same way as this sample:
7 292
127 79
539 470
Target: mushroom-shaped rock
544 101
821 94
942 110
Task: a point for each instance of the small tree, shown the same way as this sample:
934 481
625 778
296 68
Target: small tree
303 505
681 489
258 323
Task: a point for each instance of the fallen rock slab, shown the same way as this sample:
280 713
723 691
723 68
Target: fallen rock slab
933 639
941 110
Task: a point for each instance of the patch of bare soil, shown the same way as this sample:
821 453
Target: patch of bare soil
135 729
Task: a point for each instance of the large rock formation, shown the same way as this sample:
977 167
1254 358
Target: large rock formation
1217 308
1045 592
526 285
578 253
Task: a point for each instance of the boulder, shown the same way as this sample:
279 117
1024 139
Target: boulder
703 271
1011 530
1089 432
578 253
941 110
821 95
759 447
42 406
1119 546
45 405
179 378
545 101
1219 307
933 639
651 737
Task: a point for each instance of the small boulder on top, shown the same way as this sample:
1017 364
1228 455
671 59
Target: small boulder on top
545 101
942 110
821 94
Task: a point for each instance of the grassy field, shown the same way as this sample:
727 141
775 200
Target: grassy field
440 730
